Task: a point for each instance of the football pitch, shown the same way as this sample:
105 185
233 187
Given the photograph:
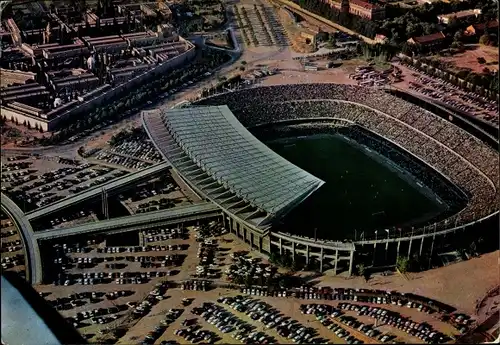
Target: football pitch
360 194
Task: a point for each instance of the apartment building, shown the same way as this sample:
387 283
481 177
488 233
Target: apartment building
360 8
461 15
10 77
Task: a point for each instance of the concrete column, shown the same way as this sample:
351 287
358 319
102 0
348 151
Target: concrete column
397 250
432 249
281 246
307 254
421 246
293 250
336 261
260 244
409 248
351 260
321 260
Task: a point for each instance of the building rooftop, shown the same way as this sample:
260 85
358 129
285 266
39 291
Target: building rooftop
218 143
429 38
461 14
364 4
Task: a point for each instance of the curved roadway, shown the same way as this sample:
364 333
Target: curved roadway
33 260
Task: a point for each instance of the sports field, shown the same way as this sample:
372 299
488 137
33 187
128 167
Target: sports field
361 194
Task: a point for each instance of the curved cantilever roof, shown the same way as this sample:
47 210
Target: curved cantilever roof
226 151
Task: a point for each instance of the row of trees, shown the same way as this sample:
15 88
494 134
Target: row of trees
403 23
125 105
488 80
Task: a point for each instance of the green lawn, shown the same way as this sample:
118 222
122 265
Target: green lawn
360 192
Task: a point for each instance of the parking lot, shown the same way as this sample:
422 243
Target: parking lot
226 316
33 181
93 265
157 194
452 95
259 25
144 294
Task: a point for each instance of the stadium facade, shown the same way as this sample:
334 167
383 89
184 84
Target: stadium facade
222 161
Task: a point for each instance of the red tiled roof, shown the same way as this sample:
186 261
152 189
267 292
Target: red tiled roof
429 38
490 25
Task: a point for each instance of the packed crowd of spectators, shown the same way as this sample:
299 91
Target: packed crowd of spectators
461 157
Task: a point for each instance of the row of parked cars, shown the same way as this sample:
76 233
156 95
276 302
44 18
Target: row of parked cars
422 331
206 259
227 322
69 217
98 180
142 249
211 229
138 148
97 316
19 177
17 158
164 231
128 162
196 285
195 334
272 318
170 317
250 267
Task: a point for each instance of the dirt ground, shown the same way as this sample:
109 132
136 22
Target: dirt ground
468 59
460 285
288 306
293 31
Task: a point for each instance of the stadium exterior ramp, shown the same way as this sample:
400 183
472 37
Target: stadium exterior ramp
136 222
223 161
113 186
32 251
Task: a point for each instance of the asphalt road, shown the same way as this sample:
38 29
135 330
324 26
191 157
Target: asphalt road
33 261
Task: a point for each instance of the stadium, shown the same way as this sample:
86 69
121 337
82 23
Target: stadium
274 204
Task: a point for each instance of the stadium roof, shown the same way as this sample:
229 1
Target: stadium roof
226 151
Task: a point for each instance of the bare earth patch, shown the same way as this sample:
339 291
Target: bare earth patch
468 59
460 285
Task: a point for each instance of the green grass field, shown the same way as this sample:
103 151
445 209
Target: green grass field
360 192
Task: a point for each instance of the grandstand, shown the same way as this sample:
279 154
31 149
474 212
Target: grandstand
453 152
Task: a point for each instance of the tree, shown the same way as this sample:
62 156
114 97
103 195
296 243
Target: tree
402 264
274 258
248 281
458 36
484 39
